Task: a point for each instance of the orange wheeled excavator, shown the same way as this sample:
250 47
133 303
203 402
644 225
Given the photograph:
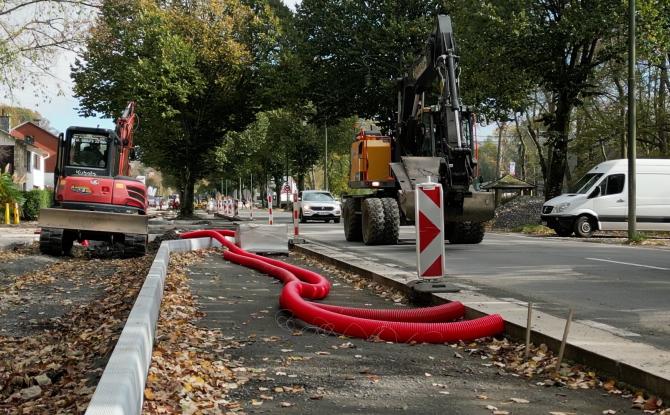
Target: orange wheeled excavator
94 198
433 138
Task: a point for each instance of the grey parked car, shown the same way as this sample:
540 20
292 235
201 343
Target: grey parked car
318 205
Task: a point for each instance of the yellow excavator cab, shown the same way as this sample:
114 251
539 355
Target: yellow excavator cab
370 161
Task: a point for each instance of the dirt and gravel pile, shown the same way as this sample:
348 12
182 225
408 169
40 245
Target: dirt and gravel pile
520 211
167 236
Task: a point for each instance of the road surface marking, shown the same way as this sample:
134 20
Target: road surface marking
628 263
608 328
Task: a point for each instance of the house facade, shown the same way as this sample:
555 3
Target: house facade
24 160
36 136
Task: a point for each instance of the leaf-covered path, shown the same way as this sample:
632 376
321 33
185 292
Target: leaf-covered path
59 321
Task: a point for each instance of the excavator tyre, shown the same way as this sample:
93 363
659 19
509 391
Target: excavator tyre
464 232
391 220
353 231
134 245
372 211
56 242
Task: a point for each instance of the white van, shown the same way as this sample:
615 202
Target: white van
599 200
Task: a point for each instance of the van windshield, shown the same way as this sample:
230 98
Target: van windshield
586 183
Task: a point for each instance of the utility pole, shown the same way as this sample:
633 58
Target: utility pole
632 214
251 180
325 165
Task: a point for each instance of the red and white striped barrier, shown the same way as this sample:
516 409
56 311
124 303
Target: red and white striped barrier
429 230
296 230
270 217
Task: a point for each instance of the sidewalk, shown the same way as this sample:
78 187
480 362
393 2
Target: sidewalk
23 234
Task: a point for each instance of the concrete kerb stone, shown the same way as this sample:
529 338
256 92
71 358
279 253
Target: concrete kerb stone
120 390
634 363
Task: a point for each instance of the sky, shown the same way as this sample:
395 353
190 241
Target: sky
291 3
58 104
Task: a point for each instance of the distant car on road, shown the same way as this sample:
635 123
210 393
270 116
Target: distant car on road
318 205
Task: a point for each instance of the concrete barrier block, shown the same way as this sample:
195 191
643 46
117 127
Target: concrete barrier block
120 390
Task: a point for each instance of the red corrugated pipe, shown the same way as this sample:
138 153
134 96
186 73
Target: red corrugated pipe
423 325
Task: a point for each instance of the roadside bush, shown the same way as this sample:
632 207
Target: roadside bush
9 193
34 201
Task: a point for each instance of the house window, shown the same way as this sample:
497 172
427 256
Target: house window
28 159
37 162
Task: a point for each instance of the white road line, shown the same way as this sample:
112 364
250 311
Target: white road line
607 327
628 263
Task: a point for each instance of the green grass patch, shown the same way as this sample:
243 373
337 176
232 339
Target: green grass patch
638 238
534 230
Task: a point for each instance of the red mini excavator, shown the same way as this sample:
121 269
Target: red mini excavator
94 198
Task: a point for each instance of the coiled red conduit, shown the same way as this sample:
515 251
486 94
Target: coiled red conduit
424 325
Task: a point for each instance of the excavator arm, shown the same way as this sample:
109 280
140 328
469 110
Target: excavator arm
432 87
434 132
124 130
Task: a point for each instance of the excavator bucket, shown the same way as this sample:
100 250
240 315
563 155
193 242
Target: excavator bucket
85 220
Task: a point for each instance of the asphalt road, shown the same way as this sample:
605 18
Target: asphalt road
621 289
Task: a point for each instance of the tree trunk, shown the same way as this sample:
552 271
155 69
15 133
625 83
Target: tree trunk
661 118
301 182
522 148
623 150
186 194
540 156
501 130
558 135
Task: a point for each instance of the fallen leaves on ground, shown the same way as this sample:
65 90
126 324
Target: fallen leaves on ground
190 370
56 367
509 356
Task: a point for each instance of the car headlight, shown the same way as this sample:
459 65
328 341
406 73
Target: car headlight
306 207
562 207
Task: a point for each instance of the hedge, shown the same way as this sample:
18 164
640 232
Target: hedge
35 200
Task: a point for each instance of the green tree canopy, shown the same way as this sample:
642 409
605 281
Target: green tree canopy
531 44
353 51
194 69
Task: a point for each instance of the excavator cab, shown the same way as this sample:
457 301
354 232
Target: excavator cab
88 151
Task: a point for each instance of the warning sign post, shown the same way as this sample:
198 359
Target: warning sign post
429 223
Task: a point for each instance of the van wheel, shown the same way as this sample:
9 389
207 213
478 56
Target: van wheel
584 227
